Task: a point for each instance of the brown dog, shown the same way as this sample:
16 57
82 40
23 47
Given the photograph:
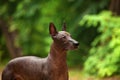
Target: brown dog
53 67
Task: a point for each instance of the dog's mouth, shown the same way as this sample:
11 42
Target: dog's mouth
72 48
76 45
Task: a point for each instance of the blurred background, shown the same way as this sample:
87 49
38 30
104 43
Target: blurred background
24 30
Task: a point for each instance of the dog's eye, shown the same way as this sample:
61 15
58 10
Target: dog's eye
64 37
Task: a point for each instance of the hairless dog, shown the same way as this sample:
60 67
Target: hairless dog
53 67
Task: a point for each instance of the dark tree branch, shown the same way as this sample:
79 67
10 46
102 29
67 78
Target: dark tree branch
115 7
14 51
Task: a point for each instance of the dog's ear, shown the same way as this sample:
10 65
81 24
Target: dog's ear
52 29
64 27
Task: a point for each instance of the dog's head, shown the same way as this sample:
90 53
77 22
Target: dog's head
62 38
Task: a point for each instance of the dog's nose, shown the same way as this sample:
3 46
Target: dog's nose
76 44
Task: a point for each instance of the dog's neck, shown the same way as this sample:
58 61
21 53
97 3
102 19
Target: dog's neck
58 54
57 63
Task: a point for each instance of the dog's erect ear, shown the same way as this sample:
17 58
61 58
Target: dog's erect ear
64 27
52 29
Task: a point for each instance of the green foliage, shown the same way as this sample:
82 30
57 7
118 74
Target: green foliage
31 19
104 59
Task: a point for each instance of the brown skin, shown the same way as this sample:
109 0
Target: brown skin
53 67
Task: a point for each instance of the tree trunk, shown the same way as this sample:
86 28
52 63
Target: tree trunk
10 37
115 7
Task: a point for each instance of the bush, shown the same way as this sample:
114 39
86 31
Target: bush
104 59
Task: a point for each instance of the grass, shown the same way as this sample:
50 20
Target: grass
77 74
1 68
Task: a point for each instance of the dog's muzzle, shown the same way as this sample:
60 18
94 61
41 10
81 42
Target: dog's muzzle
74 42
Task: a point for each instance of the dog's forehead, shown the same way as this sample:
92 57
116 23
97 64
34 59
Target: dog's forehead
64 32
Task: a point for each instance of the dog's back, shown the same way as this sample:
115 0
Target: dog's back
26 68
